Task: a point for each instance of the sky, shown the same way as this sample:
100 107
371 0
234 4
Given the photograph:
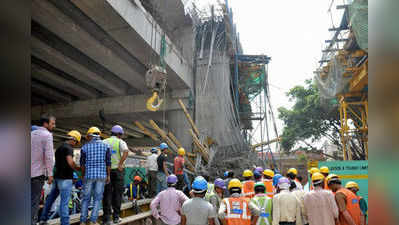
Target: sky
292 33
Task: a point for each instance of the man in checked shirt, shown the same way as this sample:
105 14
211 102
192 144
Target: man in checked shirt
95 161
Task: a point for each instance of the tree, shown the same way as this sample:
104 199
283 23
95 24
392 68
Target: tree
311 119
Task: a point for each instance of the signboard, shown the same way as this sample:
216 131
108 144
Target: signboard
351 171
312 163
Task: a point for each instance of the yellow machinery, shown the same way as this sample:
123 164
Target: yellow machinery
265 143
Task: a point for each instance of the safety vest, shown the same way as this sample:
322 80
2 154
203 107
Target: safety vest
352 205
131 197
326 185
264 203
210 191
238 212
269 187
248 188
116 154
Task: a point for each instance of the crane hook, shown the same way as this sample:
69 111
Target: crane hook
151 100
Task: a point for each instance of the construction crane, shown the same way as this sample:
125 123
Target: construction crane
253 147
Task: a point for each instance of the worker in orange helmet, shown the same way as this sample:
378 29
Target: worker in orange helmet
268 175
347 201
137 189
248 184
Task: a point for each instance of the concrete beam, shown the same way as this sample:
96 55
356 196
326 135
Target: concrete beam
135 29
55 20
112 107
68 86
105 84
49 93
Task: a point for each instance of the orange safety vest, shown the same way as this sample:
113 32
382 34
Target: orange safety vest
238 212
269 187
326 185
352 205
248 188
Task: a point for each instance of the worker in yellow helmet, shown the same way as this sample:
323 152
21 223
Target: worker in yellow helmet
63 176
248 184
325 213
325 171
268 175
237 209
179 168
311 172
292 174
354 187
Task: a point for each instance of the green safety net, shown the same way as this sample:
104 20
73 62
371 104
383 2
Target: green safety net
358 14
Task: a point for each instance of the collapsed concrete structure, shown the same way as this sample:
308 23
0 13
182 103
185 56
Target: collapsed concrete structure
89 59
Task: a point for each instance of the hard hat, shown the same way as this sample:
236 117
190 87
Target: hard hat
268 172
220 183
172 179
247 173
324 169
235 183
34 127
226 174
332 177
259 184
75 134
259 169
181 151
284 183
293 170
352 184
199 185
154 150
314 170
276 178
317 176
117 129
137 178
163 146
257 175
93 130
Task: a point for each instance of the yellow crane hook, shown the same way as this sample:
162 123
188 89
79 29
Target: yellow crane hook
151 100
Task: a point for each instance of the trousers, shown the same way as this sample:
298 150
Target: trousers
113 195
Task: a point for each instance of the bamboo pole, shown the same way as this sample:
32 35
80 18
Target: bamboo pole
201 148
146 131
174 139
190 120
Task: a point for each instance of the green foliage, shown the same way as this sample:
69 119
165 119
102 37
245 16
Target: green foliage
308 118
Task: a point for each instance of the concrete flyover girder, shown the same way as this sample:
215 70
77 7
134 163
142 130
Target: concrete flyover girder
55 20
111 106
136 30
75 69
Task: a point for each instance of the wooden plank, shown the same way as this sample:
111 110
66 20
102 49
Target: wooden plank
146 131
140 216
174 139
190 120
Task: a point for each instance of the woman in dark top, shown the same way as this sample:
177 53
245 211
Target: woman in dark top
63 175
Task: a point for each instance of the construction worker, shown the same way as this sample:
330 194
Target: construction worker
95 161
113 191
276 178
179 168
63 176
136 189
320 205
292 174
347 201
237 209
197 210
268 182
325 171
257 176
286 206
311 172
248 184
42 161
264 203
163 172
354 187
152 169
258 169
216 196
169 202
229 176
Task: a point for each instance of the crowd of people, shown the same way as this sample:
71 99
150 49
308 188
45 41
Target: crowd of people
262 197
